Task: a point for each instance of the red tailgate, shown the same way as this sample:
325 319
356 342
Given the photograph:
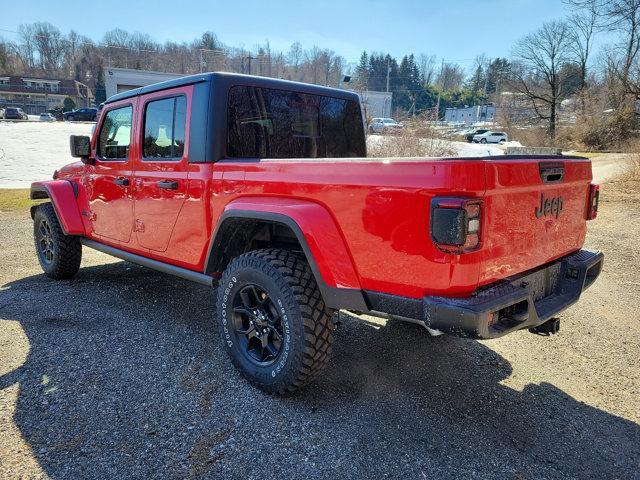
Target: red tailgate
530 221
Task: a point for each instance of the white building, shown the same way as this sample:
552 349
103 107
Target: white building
118 80
37 95
469 115
375 104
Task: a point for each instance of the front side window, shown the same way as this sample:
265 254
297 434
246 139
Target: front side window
164 126
272 123
115 134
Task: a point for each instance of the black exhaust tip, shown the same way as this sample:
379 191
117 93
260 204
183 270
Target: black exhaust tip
550 327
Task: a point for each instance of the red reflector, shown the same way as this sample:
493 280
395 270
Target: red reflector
594 198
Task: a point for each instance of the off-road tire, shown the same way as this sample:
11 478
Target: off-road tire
66 251
286 277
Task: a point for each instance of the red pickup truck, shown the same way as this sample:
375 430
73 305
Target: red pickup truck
261 189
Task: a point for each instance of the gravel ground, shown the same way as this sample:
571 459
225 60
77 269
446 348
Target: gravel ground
118 374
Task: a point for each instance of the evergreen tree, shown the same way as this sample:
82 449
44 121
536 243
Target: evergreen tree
68 104
362 72
498 73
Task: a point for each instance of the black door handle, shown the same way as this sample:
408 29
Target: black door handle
123 182
551 172
168 184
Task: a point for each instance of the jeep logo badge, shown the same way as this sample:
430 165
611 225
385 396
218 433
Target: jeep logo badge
549 206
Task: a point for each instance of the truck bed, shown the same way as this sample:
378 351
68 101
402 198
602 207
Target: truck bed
382 208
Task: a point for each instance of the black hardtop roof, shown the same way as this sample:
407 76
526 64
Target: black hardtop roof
231 79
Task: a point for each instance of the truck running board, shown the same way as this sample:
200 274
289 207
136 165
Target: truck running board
147 262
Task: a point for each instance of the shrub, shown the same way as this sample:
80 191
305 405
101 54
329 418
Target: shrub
611 131
407 144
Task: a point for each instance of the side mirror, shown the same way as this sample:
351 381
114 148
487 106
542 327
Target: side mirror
81 147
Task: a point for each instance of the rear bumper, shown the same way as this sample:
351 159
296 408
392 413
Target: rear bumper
524 301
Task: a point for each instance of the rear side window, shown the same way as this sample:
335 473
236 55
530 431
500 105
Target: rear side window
115 134
271 123
164 125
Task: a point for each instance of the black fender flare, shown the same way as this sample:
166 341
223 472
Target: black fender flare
334 297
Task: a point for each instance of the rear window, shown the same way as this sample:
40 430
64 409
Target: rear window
271 123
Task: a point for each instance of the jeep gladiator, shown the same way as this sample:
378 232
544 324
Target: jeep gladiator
261 189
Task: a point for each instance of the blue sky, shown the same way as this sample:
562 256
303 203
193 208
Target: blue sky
456 30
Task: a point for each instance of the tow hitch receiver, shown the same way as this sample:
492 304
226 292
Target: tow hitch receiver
550 327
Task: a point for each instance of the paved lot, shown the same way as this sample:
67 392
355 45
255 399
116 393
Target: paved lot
118 374
31 151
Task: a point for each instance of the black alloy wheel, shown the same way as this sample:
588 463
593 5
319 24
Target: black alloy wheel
272 319
44 241
257 325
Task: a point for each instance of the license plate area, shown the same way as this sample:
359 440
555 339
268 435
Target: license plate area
542 283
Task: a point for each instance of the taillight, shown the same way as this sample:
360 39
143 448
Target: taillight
456 224
594 198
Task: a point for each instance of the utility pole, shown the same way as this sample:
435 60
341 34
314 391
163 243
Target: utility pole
440 90
388 72
247 57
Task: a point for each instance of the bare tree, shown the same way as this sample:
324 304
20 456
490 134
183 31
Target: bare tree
116 47
451 76
622 16
25 50
5 56
50 46
427 68
625 16
584 26
295 55
542 55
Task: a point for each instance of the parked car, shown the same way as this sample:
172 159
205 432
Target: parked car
491 137
86 114
384 125
57 113
471 134
47 117
195 178
13 113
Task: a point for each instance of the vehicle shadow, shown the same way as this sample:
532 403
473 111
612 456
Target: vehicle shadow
124 378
